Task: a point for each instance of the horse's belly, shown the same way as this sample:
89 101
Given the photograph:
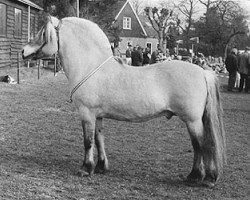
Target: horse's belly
137 110
137 118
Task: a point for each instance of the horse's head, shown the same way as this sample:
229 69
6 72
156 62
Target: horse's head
45 43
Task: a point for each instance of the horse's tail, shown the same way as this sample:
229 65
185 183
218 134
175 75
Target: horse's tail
214 136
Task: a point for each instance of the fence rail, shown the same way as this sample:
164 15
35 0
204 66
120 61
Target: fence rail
39 63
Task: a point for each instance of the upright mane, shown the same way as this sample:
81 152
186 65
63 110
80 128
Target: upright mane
83 28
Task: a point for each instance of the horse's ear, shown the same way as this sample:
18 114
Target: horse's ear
45 17
54 21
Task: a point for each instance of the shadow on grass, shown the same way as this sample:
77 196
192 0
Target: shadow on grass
37 165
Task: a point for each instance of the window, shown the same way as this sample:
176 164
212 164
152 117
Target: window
18 23
32 26
126 23
2 19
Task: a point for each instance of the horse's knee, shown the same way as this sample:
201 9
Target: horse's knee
89 136
88 142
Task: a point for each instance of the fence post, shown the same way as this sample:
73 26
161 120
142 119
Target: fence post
38 69
55 64
18 68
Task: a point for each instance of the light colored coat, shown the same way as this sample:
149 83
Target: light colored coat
115 90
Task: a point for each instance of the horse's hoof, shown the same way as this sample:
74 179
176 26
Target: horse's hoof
210 179
192 182
100 170
208 184
82 173
101 167
193 179
88 168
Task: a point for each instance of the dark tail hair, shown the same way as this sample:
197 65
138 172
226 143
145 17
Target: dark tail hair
214 137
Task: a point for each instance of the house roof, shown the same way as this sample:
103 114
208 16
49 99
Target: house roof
147 26
124 3
29 3
118 7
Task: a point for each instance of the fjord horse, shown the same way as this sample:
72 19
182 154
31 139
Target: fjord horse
103 87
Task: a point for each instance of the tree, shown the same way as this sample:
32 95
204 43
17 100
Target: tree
97 11
220 25
162 20
101 13
209 3
188 8
137 5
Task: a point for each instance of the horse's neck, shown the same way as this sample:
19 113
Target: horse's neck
80 55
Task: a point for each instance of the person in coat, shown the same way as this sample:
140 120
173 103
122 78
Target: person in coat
137 57
146 56
128 54
231 63
243 65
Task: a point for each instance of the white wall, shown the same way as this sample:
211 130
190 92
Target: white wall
137 41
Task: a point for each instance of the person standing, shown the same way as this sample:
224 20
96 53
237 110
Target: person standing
128 54
155 55
243 65
146 56
137 57
116 50
231 66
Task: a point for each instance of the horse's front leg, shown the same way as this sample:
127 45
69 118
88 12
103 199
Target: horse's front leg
102 164
89 145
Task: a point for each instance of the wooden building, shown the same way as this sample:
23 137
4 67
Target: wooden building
18 24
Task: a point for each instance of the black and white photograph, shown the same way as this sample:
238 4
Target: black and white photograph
124 99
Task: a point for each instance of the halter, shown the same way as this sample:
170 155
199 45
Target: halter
88 75
86 78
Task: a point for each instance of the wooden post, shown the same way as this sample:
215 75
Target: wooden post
18 68
28 64
192 53
77 8
55 64
38 69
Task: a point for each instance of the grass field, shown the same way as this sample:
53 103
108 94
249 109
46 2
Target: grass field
41 149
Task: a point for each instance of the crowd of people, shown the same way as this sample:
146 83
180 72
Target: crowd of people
137 56
238 67
237 64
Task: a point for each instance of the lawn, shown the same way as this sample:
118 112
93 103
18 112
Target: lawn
41 149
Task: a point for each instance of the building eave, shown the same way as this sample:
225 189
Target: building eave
31 4
137 17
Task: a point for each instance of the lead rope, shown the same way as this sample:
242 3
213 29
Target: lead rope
85 79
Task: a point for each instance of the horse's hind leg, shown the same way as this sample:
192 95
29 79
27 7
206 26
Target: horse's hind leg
102 164
196 131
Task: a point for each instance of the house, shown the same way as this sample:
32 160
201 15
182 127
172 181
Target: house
19 24
136 30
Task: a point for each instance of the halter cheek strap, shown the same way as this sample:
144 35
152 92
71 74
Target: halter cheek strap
57 33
